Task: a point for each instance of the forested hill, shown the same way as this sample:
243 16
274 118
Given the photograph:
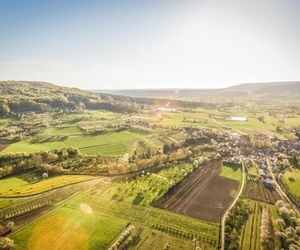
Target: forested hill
273 90
25 96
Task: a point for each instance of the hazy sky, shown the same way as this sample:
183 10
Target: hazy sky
153 43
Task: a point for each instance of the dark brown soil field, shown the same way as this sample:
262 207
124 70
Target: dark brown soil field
203 195
261 192
4 144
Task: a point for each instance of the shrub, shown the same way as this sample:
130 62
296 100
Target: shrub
6 243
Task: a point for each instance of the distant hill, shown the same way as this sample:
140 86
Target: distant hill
26 96
273 90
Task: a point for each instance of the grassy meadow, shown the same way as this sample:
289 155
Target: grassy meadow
291 180
231 172
113 143
116 143
28 147
7 203
11 187
72 228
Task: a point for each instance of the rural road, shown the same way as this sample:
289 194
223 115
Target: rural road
231 206
280 190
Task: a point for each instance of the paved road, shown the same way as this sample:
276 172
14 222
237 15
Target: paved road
231 206
279 188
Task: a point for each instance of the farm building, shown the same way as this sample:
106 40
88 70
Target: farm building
267 181
262 173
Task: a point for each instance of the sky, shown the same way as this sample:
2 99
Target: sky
150 44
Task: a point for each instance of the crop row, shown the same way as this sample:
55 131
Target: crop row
42 201
155 218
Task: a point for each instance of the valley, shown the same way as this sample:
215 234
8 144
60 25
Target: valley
111 172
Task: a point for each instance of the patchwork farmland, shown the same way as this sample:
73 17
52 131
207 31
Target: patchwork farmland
204 194
261 192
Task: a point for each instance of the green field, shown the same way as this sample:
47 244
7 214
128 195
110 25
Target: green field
187 119
28 147
150 186
90 222
250 236
251 124
231 172
150 217
116 143
7 203
70 130
69 229
293 121
13 186
291 180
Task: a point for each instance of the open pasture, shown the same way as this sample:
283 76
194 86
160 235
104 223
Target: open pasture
72 228
116 143
231 172
6 203
164 221
113 143
293 121
291 181
203 195
12 187
29 147
187 119
65 131
252 123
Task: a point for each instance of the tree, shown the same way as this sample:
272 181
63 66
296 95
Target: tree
6 243
10 224
45 175
266 229
4 109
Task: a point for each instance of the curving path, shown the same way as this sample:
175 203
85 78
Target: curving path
280 189
231 206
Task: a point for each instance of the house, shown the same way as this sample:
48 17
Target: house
262 173
267 181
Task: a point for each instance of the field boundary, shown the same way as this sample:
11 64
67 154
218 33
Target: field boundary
231 206
44 192
281 191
